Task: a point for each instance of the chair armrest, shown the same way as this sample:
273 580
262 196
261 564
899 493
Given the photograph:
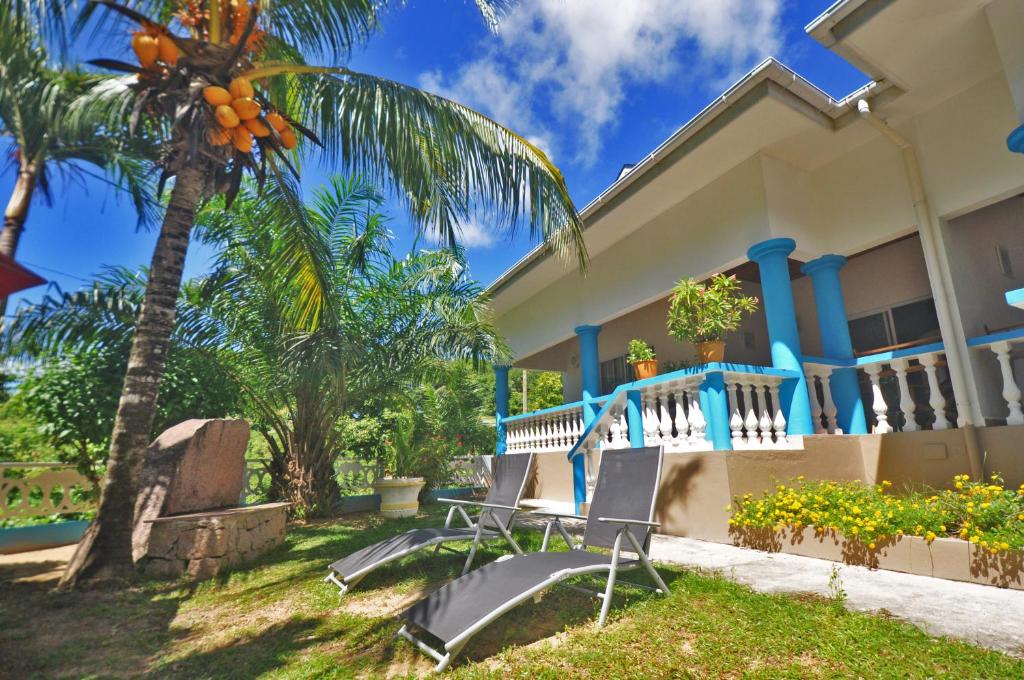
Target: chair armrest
459 501
616 520
544 513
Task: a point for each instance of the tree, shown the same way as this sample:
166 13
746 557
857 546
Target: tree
381 323
34 99
444 160
79 344
543 390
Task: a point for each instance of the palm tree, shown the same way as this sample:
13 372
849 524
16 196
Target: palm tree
382 321
33 101
444 160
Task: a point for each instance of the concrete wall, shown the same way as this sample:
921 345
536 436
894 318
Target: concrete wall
697 487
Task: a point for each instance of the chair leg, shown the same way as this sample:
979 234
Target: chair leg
472 550
606 604
644 560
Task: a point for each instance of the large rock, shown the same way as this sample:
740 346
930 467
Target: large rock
195 465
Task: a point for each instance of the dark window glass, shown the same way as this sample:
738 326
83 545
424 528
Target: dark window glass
869 332
915 321
615 372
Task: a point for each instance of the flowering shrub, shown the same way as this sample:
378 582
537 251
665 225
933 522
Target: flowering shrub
984 513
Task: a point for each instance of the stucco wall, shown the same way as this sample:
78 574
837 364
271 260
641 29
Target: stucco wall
696 487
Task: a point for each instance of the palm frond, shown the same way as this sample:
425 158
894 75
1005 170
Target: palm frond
445 160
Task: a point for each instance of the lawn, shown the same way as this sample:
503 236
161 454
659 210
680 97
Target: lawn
277 619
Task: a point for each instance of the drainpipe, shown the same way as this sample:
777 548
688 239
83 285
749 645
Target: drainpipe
929 229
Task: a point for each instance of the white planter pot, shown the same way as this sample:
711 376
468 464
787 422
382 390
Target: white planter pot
399 496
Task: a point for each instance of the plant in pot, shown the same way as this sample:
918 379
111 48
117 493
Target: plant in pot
703 313
643 359
404 457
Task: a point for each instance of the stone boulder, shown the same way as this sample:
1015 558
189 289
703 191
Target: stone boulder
194 466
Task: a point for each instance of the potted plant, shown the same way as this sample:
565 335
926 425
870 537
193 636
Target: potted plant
399 486
641 356
703 313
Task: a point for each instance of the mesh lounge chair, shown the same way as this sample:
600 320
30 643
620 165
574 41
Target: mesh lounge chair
497 515
622 511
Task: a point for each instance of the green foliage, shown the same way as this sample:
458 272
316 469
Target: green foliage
21 436
543 390
442 418
987 514
702 312
329 328
80 342
639 351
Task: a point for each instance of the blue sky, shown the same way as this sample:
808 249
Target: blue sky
597 83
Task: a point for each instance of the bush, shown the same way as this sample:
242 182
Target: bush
639 351
986 514
701 312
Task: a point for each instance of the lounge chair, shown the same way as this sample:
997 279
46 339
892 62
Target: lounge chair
496 518
622 510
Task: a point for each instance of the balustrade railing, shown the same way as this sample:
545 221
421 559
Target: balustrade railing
674 413
40 489
1002 346
546 430
356 477
894 403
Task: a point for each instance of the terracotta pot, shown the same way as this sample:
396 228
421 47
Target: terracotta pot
399 496
711 351
645 369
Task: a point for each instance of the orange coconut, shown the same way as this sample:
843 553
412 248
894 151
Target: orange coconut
276 120
246 108
226 116
288 138
241 88
146 48
167 49
257 128
216 96
242 139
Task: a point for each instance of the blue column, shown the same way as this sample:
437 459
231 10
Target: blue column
501 405
777 291
714 402
835 340
590 379
635 419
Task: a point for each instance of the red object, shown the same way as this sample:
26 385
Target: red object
14 277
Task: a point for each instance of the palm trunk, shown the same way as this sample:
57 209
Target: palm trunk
312 484
16 214
105 552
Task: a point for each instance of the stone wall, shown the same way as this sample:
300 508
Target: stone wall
201 544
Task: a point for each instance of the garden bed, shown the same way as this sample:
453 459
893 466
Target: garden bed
949 558
973 531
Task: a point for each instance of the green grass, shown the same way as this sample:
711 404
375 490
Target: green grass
276 619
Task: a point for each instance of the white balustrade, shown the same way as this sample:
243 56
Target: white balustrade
902 413
553 430
1002 345
756 420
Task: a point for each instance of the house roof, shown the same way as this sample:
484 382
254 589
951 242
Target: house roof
924 43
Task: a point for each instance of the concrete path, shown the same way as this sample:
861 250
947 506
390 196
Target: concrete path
985 615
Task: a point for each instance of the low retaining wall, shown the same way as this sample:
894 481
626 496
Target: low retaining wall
948 558
203 543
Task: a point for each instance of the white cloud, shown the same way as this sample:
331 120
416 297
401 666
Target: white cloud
571 61
471 234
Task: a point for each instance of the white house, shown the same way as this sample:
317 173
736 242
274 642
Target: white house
881 232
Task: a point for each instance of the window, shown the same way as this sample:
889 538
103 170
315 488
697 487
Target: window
910 322
614 372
